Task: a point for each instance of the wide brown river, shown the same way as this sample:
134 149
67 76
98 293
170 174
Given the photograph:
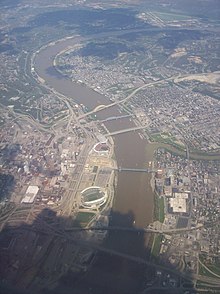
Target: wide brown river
133 202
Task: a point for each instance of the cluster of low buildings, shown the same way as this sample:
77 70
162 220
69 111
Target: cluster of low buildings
177 109
190 190
108 79
188 117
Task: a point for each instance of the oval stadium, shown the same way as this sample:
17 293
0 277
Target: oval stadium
93 197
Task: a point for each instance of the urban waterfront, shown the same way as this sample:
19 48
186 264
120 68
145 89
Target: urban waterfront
133 192
134 197
109 182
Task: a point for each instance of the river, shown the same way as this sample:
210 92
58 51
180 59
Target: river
133 202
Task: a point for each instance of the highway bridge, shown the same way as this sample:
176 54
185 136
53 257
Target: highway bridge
65 234
102 107
116 117
125 131
133 229
140 170
140 260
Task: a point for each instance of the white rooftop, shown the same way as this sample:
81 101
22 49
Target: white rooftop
181 195
30 194
178 204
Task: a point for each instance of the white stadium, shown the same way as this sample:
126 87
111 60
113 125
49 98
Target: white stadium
93 197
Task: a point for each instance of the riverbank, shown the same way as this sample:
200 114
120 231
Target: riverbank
194 155
133 204
133 191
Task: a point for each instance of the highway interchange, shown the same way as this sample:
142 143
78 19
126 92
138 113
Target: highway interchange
66 207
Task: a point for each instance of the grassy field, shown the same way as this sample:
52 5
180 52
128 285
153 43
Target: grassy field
195 155
204 272
171 144
155 250
215 268
168 139
83 218
206 288
159 209
161 215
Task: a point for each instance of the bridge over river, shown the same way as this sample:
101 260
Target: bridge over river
140 170
136 230
123 131
87 244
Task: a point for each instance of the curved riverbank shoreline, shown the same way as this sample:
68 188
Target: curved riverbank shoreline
133 192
